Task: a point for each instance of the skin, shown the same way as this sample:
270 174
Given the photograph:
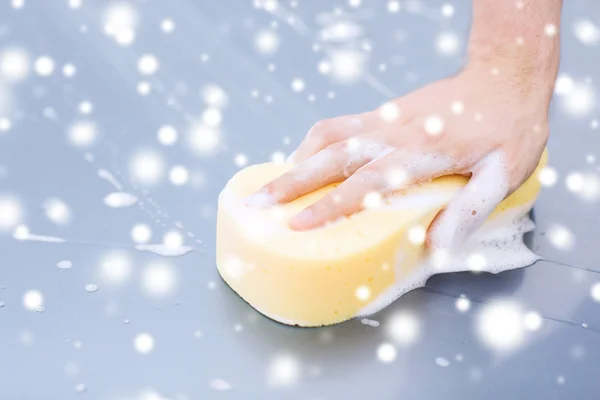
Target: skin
488 122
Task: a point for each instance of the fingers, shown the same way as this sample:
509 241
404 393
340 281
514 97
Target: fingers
330 131
332 164
326 167
469 209
364 189
346 199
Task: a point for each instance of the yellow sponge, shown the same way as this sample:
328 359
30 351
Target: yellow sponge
328 275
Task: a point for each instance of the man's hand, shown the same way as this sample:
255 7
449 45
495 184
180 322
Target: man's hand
489 122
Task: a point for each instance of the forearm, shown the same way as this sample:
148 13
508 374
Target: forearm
519 40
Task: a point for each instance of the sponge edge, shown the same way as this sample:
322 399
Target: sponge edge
330 274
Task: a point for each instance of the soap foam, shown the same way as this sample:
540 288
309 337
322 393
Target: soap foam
499 242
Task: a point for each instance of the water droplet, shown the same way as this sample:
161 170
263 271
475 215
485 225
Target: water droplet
1 304
80 388
91 288
126 322
64 264
41 309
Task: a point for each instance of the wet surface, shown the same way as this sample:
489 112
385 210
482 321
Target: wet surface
86 314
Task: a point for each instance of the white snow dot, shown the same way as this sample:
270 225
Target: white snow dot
173 239
83 134
17 3
33 300
143 88
266 42
463 304
146 167
372 200
550 30
548 176
298 85
158 279
212 117
203 139
500 325
179 175
14 64
75 3
57 211
532 321
167 135
214 96
283 370
416 235
324 67
147 64
363 293
561 237
396 177
5 124
116 267
579 101
389 112
44 66
167 25
476 262
404 328
587 32
240 160
434 125
85 107
386 353
393 6
448 43
141 233
447 10
563 85
69 70
278 157
575 182
354 3
595 292
457 107
143 343
347 66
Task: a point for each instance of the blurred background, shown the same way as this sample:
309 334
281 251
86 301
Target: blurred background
121 121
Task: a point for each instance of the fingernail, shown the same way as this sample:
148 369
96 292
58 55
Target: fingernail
260 199
302 220
290 158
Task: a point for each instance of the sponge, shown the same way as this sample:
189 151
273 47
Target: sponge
345 269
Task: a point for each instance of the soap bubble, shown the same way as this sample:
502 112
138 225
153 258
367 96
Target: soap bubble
587 32
147 64
83 134
141 233
44 66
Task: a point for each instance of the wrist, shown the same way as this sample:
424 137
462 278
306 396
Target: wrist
530 70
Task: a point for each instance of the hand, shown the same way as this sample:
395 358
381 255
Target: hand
485 122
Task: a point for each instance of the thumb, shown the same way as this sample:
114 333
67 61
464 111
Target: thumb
469 209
